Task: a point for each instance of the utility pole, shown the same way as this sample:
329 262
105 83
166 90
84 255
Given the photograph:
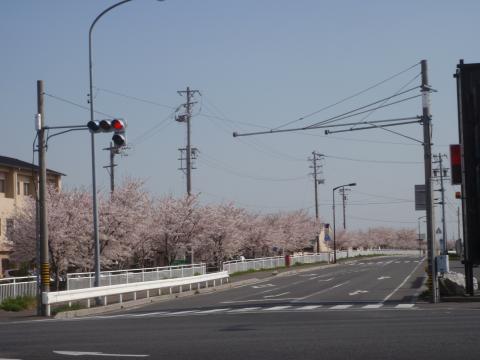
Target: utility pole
318 179
443 173
44 259
343 191
187 119
111 168
317 167
427 155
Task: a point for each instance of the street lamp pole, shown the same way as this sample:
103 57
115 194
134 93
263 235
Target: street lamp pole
334 227
92 137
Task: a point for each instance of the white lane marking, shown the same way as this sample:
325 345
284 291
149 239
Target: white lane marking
321 291
245 309
404 306
211 311
256 300
372 306
305 275
326 280
361 263
261 286
358 292
277 295
278 308
182 312
406 262
88 353
402 283
309 307
340 307
9 359
384 277
148 314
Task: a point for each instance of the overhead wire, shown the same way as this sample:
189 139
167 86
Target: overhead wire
56 97
348 97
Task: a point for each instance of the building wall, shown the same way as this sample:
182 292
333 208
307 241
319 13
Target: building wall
15 185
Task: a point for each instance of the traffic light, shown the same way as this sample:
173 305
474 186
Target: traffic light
458 194
116 125
456 164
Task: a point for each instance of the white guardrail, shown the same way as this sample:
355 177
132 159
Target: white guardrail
18 286
116 277
65 296
279 261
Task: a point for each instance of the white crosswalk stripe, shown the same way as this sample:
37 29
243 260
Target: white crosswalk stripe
341 307
245 309
309 307
372 306
211 311
278 308
404 306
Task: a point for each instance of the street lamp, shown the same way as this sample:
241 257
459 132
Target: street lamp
334 227
94 182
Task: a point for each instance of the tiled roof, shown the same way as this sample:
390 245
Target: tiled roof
8 161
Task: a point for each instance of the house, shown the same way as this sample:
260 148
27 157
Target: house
17 180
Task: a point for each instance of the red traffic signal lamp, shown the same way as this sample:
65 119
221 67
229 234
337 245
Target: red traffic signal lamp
116 125
458 194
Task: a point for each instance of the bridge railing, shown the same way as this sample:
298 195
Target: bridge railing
117 277
67 296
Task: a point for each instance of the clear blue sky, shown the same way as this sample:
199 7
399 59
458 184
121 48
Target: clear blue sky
259 62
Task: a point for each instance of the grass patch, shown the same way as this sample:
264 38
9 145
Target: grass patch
251 271
66 307
19 303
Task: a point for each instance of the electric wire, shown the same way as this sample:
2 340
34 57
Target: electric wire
348 97
76 104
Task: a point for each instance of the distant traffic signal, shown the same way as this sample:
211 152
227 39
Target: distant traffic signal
116 125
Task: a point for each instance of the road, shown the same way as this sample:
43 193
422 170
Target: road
364 309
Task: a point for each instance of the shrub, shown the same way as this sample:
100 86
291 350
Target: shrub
19 303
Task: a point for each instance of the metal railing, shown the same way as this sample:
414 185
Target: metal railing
18 286
279 261
118 277
67 296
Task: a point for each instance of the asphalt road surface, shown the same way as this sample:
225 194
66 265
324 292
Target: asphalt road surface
363 309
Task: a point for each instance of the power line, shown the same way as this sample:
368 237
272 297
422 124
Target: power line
347 98
151 102
76 104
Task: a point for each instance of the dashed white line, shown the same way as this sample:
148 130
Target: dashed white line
212 311
341 307
245 309
309 307
278 308
182 312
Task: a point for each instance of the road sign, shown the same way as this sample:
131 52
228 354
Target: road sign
438 231
327 237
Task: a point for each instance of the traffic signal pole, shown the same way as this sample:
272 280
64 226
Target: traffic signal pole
44 258
427 154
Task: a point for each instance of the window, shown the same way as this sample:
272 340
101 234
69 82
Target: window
9 226
2 182
26 187
18 187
